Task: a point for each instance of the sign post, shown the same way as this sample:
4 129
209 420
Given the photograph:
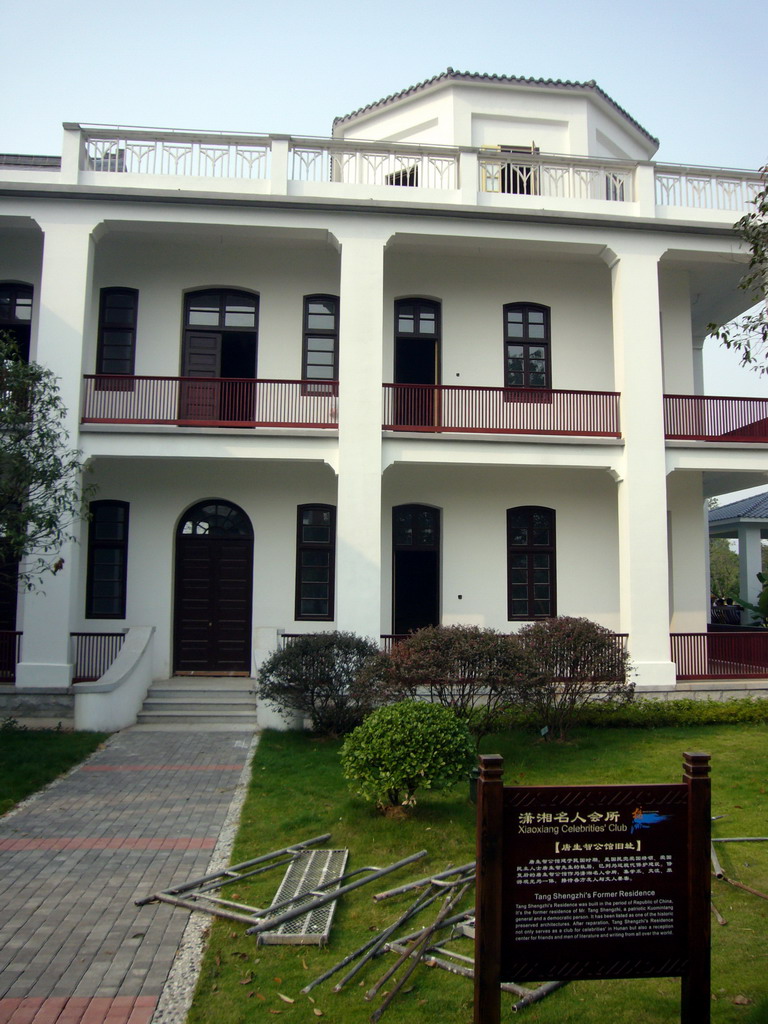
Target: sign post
586 882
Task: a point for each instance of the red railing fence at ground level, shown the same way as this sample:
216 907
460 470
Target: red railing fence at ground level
742 655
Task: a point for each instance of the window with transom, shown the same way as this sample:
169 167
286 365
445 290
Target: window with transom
320 347
526 346
530 562
16 314
107 576
315 561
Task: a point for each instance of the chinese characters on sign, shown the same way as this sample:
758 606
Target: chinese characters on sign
595 881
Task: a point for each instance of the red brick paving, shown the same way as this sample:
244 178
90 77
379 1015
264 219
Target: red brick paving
60 1010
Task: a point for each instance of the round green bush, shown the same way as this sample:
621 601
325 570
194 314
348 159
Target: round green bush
404 746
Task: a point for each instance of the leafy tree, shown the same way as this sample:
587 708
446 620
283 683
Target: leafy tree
723 569
40 476
748 334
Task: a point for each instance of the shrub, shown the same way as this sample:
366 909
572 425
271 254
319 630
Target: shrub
577 663
320 676
404 746
474 672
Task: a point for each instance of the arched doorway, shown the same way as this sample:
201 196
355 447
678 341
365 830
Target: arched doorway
415 568
213 590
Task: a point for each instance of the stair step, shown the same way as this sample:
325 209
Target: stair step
200 701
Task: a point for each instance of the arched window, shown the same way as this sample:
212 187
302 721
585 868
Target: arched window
215 519
526 346
531 562
16 313
315 561
107 578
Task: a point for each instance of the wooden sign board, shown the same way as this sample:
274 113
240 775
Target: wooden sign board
578 882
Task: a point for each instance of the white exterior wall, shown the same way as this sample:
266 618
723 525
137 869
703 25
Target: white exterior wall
472 293
473 503
160 491
163 270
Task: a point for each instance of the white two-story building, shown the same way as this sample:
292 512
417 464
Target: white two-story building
442 367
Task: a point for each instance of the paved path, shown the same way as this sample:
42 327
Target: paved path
143 813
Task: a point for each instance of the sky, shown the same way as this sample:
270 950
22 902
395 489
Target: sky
693 75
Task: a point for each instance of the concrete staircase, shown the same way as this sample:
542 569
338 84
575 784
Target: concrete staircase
200 703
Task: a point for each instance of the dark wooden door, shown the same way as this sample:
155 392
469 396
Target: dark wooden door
213 604
200 399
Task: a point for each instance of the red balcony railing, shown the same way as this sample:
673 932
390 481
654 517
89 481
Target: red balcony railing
703 418
720 655
10 655
448 408
93 653
210 401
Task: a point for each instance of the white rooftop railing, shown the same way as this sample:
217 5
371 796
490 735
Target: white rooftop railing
706 188
464 172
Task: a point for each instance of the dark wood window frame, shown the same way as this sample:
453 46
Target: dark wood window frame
117 337
307 552
310 333
13 296
117 546
528 558
528 344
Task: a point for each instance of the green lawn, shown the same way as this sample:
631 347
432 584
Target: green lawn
297 791
31 758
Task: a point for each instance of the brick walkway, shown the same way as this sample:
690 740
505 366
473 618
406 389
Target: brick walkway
142 814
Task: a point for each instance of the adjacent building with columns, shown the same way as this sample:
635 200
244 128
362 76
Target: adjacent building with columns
442 367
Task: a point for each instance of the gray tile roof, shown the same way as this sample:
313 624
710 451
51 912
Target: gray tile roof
449 75
754 507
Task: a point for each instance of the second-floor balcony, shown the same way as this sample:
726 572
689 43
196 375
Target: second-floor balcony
423 408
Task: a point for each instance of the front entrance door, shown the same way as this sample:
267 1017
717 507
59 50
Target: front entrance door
417 337
415 568
213 588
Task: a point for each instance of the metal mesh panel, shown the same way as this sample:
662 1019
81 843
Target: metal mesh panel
305 875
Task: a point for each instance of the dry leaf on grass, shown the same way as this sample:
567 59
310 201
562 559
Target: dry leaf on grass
286 999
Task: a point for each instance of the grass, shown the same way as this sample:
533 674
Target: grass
297 791
31 758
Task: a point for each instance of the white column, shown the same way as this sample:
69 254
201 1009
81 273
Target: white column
750 564
642 502
64 299
358 527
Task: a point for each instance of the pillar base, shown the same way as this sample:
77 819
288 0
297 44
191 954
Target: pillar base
654 675
31 676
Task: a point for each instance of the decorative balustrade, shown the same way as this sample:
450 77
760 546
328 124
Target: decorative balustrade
165 152
706 188
705 418
450 408
200 154
556 177
210 401
93 653
742 655
374 164
10 655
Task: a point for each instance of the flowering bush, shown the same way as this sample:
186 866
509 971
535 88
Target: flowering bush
576 663
329 678
474 672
